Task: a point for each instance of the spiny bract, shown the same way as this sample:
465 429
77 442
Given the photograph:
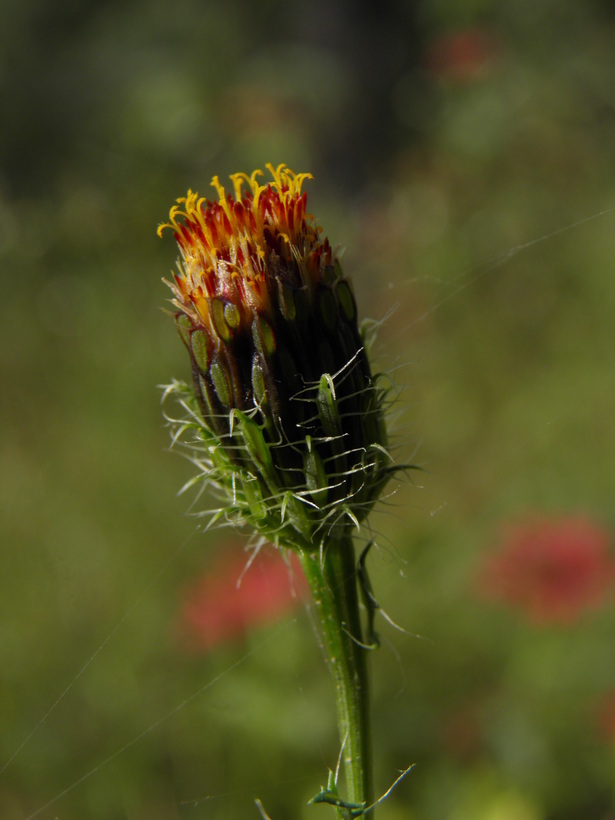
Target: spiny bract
289 420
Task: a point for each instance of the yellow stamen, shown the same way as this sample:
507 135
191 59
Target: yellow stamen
239 178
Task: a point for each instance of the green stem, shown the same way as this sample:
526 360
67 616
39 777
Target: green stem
332 577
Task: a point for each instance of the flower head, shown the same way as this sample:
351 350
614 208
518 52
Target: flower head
289 416
553 570
236 252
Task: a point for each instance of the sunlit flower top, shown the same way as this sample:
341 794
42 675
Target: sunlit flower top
235 249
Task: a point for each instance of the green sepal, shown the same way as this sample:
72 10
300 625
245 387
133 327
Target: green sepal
232 316
202 349
217 310
264 337
254 499
259 385
346 300
294 510
326 402
220 383
257 448
184 326
207 400
315 474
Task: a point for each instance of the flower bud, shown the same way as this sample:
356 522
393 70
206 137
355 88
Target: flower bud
290 416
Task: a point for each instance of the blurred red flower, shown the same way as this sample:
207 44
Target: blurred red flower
463 56
551 569
605 717
237 594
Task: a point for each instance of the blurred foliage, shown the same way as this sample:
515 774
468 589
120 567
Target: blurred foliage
464 154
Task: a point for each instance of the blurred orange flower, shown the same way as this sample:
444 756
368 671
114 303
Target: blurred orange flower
237 594
553 570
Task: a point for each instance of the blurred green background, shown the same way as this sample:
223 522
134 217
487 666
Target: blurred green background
444 140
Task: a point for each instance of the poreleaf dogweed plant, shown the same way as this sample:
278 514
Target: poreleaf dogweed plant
284 416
